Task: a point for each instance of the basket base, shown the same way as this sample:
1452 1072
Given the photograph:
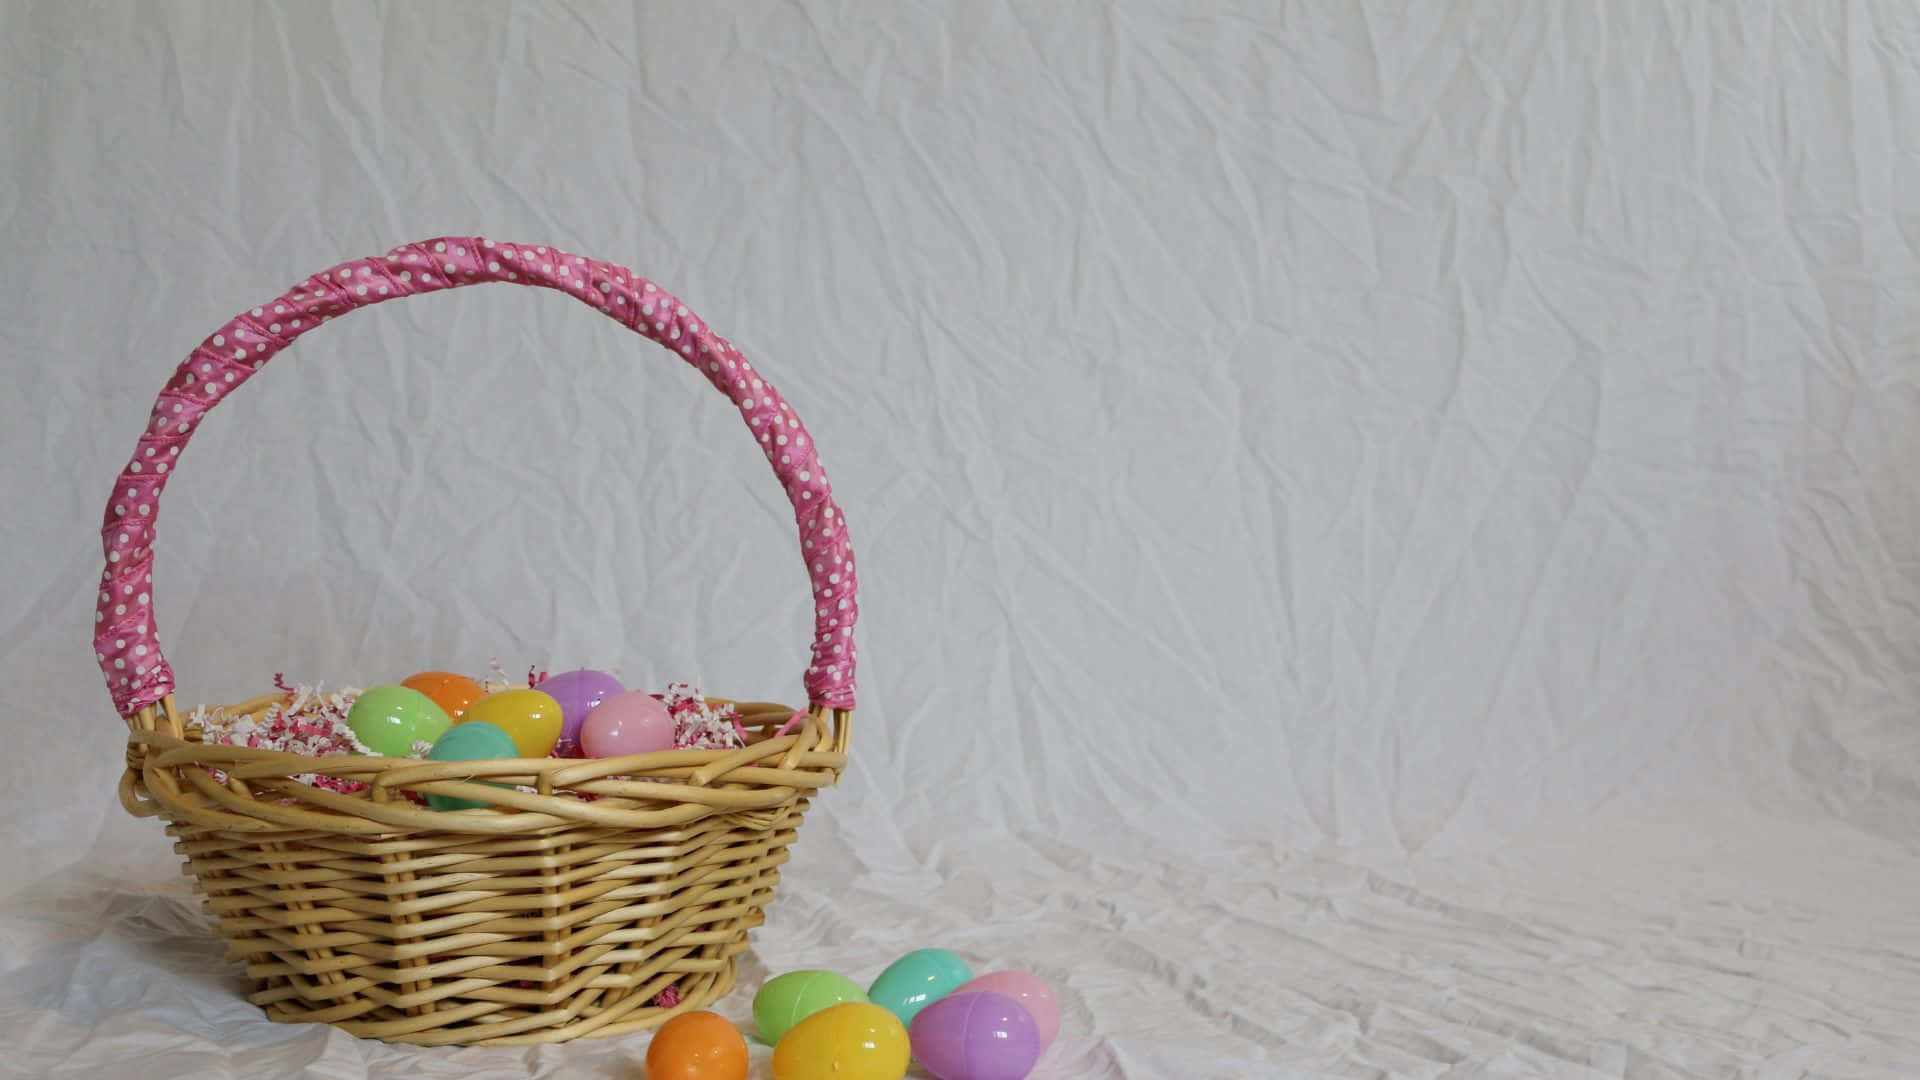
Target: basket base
694 992
455 939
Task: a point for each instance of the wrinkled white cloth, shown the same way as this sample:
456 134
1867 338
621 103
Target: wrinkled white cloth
1694 945
1386 531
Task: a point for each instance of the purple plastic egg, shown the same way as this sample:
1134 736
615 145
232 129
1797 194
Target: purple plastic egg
976 1036
578 692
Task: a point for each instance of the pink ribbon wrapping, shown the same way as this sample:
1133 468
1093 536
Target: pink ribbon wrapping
124 641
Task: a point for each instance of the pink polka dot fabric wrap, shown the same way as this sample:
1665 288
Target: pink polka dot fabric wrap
124 640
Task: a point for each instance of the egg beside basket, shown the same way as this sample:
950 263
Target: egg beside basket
580 897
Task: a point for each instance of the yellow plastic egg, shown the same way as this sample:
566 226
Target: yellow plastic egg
530 717
854 1041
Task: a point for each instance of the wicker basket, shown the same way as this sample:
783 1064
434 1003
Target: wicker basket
614 894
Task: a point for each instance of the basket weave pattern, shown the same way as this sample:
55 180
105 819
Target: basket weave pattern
587 889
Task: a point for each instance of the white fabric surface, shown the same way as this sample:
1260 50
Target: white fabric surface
1388 530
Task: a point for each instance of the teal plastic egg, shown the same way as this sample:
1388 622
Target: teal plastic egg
917 980
475 740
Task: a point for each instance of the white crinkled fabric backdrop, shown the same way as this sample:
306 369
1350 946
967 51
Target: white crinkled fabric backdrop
1389 532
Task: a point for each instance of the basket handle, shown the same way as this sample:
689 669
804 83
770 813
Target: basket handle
124 642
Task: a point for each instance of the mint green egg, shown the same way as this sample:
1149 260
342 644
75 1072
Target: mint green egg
788 999
475 740
916 981
390 719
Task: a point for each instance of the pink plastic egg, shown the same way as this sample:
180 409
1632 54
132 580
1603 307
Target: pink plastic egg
630 723
977 1036
1032 994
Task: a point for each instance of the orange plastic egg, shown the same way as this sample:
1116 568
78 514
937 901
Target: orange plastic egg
697 1046
449 691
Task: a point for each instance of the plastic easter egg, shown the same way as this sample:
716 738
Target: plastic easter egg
854 1041
448 690
697 1046
629 723
977 1036
1033 995
788 999
472 740
390 719
530 716
578 693
916 980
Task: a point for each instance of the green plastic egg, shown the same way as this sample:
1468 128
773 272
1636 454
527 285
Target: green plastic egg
917 980
788 999
475 740
390 719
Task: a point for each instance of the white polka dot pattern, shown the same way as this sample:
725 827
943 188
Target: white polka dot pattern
129 653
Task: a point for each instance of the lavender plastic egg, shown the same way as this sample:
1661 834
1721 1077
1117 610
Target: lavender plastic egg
976 1036
578 692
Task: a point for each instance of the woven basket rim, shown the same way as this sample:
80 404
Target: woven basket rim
171 773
